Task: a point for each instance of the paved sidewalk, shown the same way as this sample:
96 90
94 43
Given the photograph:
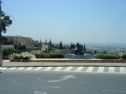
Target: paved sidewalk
7 63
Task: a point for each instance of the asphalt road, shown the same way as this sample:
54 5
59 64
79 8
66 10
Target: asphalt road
32 82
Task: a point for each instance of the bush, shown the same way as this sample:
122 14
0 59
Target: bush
42 55
8 52
49 55
56 55
123 56
106 56
23 57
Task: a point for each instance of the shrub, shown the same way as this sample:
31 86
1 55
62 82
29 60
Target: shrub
123 56
42 55
49 55
56 55
8 52
106 56
23 57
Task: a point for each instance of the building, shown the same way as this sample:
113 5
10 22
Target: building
45 47
7 47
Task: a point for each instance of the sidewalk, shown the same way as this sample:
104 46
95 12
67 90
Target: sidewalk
7 63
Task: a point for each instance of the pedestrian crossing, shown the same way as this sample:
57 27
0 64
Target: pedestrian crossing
69 69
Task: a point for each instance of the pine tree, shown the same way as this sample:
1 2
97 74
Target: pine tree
60 45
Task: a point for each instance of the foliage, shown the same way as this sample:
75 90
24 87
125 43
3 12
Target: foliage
20 47
56 55
8 52
49 55
123 56
42 55
5 41
5 21
61 45
107 56
23 57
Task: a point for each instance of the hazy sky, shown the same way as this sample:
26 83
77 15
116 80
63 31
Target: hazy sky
89 21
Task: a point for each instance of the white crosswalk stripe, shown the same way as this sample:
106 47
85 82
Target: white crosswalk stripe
48 68
69 69
29 68
90 69
122 70
79 69
38 68
58 68
3 68
100 69
111 69
21 68
13 68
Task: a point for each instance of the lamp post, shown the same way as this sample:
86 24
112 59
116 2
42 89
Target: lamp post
0 37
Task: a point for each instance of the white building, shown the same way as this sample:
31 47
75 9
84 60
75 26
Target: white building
44 47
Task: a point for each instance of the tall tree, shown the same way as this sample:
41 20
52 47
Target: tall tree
84 48
60 45
5 21
50 42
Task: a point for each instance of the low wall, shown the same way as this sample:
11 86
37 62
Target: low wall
81 60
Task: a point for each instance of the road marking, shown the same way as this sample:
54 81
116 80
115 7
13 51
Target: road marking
90 69
73 69
13 68
101 69
111 69
21 68
29 68
3 68
38 68
48 68
79 69
122 70
68 69
58 68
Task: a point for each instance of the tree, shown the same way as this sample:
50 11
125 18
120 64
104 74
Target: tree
60 45
50 42
84 48
72 46
5 21
95 51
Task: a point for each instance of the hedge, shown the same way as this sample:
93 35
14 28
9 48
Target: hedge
49 55
123 56
106 56
8 52
56 55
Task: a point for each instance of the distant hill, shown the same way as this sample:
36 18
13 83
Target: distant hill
28 42
20 40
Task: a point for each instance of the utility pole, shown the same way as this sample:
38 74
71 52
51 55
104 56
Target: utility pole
0 36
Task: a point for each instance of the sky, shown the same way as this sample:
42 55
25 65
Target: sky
85 21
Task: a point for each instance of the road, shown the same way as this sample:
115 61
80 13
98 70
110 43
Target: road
40 82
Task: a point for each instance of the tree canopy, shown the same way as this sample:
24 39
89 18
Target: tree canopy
5 21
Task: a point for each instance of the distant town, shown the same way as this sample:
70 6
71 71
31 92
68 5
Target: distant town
27 43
